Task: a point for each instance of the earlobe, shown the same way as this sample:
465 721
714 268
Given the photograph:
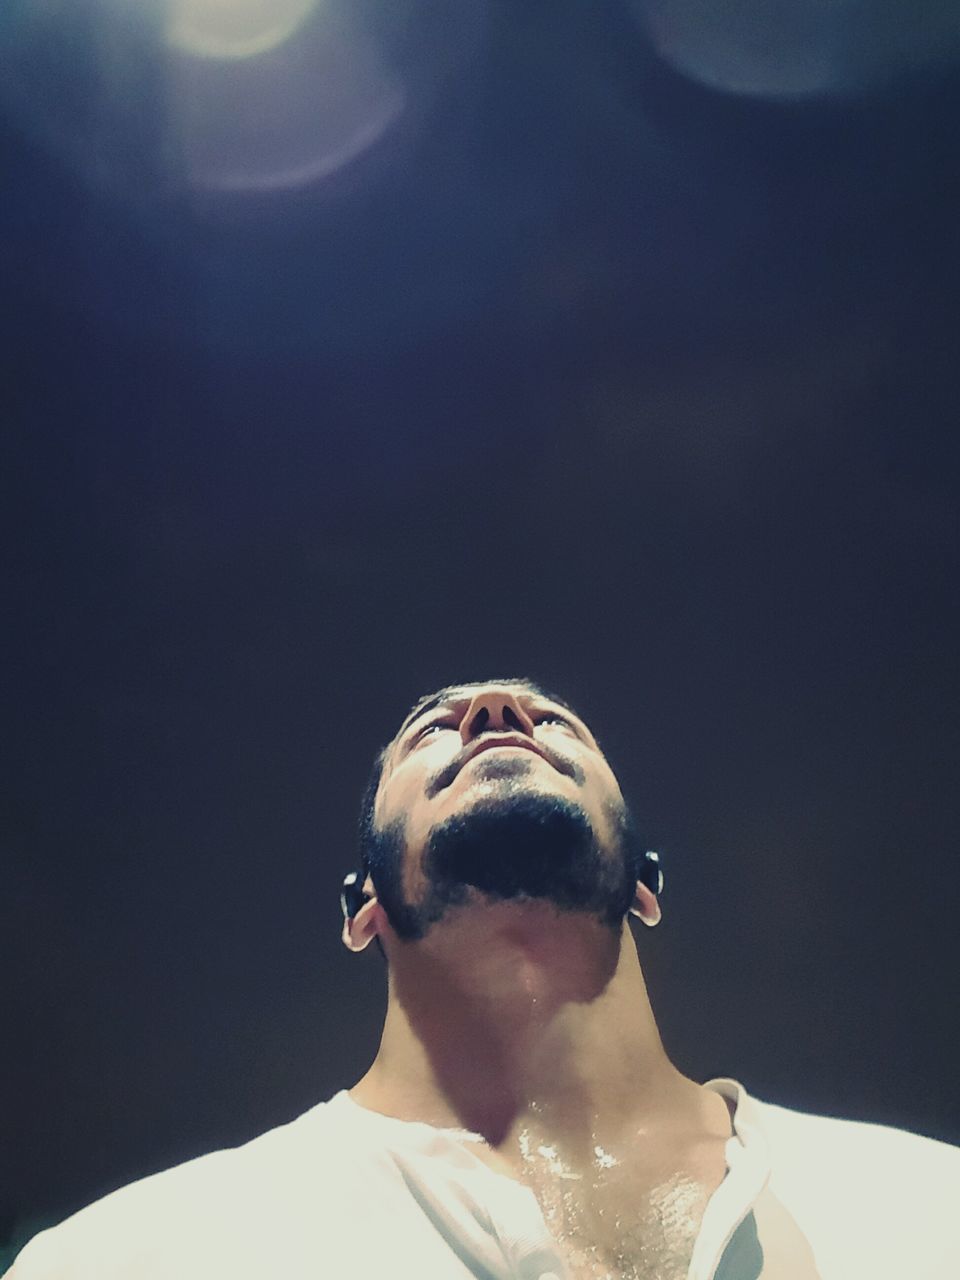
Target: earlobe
360 930
645 906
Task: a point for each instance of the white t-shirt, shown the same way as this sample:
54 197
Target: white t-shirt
342 1192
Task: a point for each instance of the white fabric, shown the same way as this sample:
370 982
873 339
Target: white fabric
342 1192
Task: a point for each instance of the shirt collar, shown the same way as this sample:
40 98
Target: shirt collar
748 1171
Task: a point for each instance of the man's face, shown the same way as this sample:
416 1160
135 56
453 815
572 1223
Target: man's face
494 791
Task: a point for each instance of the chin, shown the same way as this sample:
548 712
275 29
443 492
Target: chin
507 839
523 844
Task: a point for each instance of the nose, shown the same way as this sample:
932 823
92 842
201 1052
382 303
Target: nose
494 709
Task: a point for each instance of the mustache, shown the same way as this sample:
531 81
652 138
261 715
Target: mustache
443 777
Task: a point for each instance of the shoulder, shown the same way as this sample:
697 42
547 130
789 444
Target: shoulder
800 1148
860 1186
824 1140
195 1210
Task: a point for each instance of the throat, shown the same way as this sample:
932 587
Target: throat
502 1006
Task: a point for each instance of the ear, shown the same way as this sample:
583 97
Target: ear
645 905
361 929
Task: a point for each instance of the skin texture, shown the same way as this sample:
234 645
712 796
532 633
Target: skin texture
530 1025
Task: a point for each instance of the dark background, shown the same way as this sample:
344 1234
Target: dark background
606 364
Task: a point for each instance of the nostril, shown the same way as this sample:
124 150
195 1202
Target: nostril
479 720
511 718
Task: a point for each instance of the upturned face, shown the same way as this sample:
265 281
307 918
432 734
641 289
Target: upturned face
495 790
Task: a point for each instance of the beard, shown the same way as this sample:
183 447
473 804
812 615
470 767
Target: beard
517 846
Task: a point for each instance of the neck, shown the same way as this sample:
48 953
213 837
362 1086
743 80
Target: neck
513 1016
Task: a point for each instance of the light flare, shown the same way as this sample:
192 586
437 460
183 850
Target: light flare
233 29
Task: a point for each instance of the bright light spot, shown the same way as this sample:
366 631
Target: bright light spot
290 117
234 28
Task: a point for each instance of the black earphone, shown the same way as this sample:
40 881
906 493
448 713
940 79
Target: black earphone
352 896
651 872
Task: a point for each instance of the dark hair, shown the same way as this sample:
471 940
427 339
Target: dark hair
366 828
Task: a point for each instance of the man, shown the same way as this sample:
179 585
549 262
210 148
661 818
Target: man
521 1118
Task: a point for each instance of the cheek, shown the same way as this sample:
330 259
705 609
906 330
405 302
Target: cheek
610 785
402 804
606 805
